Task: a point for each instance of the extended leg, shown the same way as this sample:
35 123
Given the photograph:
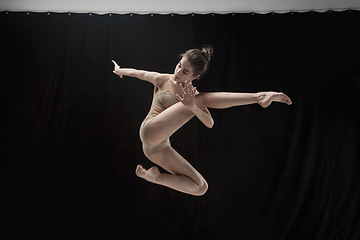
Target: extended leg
222 100
174 117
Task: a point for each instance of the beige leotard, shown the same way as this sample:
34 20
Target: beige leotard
160 102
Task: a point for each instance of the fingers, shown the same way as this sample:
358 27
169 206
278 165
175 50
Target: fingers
191 89
183 89
116 67
179 98
186 85
188 88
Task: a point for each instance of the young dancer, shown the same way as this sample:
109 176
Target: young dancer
175 102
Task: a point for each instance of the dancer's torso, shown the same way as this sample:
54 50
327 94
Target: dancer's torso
163 98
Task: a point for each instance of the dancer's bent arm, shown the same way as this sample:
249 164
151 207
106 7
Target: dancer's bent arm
204 116
188 100
154 77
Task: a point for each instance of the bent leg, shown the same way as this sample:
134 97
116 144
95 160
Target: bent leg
184 177
167 122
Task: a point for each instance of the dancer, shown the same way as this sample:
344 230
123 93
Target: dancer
175 102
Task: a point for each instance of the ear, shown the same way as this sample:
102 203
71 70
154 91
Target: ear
197 76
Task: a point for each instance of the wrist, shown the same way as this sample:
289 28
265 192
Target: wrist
193 108
258 96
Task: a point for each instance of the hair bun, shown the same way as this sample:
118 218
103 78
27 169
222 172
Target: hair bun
207 51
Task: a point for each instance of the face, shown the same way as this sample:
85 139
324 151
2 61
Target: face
184 71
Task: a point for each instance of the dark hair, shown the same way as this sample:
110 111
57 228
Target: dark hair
199 59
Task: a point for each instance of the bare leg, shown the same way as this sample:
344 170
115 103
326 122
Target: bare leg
183 177
174 117
222 100
167 122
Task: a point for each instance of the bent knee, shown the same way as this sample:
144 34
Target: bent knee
201 189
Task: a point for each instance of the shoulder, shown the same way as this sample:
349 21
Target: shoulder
163 79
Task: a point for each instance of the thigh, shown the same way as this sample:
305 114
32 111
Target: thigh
170 120
173 162
167 122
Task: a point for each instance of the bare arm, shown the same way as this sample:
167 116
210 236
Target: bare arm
204 116
188 100
154 77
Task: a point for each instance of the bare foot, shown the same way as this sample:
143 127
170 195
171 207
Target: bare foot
265 98
151 175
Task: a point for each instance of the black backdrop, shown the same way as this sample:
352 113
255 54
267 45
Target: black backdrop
70 127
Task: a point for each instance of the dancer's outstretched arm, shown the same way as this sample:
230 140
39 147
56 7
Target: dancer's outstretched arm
154 77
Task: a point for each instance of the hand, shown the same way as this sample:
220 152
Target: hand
266 98
188 98
116 68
